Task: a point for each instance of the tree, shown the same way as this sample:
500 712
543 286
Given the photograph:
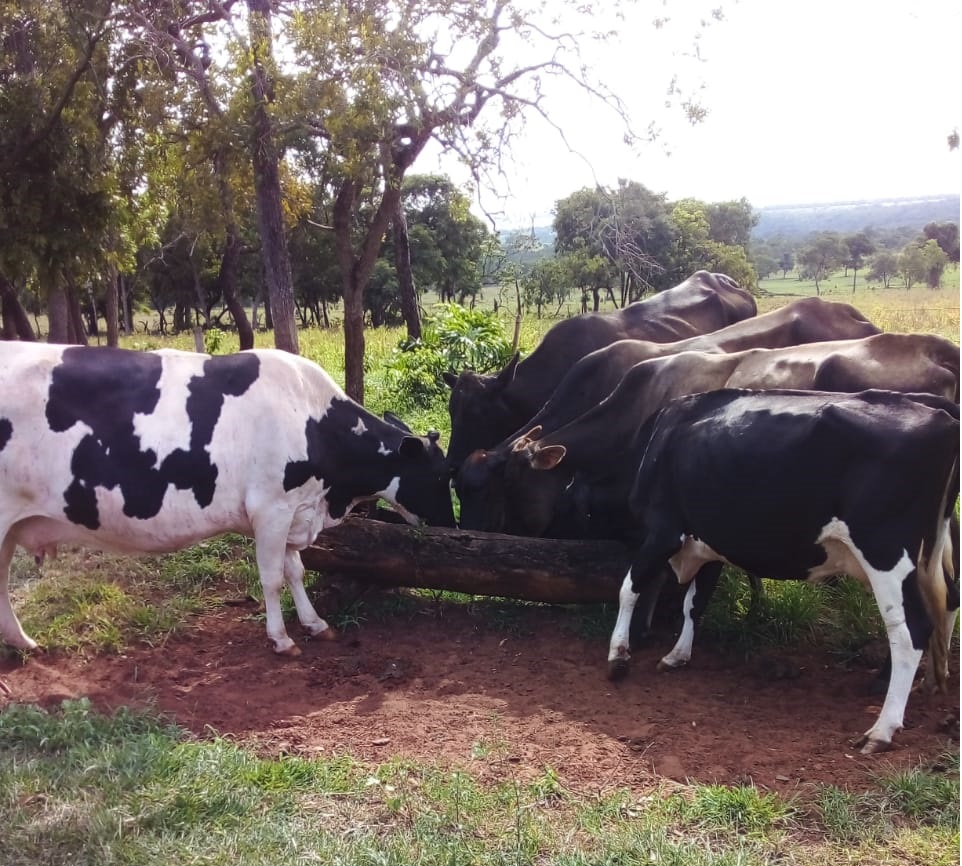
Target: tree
946 235
545 282
856 248
920 262
266 157
447 248
731 222
883 266
54 158
380 81
786 262
629 226
820 257
934 260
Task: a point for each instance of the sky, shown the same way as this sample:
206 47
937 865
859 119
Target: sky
808 101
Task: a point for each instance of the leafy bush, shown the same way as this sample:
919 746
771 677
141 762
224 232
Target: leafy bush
453 338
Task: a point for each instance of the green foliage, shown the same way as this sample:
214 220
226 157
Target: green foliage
932 798
453 338
742 808
215 341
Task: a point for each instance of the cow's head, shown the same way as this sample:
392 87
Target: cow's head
479 483
535 483
480 416
421 488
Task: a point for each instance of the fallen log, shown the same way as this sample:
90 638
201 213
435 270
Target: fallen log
477 563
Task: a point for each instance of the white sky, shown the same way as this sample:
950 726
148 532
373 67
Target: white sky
809 101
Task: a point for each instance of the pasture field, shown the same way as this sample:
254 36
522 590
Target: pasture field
157 727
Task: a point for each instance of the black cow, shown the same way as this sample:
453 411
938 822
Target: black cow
485 409
800 485
595 376
154 451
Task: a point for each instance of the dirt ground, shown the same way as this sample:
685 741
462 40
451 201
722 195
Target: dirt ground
446 686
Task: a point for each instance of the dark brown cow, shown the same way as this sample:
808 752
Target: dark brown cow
485 409
595 376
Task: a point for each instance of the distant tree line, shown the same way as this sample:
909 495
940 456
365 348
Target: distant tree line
614 245
888 257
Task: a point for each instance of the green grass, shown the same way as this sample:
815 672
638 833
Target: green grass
78 787
90 602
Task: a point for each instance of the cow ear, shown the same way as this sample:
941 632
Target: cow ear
506 376
547 457
411 446
394 421
450 379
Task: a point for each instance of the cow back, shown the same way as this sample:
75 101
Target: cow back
485 409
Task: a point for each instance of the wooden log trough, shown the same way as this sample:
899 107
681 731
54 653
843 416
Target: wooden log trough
376 553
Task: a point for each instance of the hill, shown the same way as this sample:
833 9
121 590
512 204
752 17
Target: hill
792 221
852 216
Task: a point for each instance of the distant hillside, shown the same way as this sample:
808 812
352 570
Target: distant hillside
792 221
852 216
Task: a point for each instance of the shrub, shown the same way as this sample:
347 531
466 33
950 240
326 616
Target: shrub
453 338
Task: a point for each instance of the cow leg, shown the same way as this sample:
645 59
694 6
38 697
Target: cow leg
887 587
681 652
306 613
700 591
271 551
619 648
10 629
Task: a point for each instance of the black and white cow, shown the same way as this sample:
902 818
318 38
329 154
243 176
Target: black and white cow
801 485
155 451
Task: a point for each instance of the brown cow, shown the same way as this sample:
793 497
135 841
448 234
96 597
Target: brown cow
595 376
485 409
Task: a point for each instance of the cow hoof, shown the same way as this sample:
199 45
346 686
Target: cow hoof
291 650
667 665
617 668
327 634
871 747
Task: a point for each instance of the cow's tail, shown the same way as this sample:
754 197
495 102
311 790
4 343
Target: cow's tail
935 581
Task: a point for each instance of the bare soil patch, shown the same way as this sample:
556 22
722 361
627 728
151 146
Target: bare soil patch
441 683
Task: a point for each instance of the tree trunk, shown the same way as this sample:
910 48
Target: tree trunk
126 305
227 280
75 329
112 307
58 315
477 563
230 260
16 323
267 182
405 276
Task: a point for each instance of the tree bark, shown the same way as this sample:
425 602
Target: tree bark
267 182
58 315
112 307
405 276
75 329
477 563
16 323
